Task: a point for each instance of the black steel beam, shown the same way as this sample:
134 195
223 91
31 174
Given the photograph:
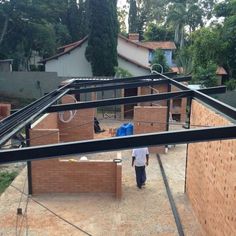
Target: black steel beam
171 198
20 119
118 143
119 101
220 106
124 80
123 85
119 86
213 90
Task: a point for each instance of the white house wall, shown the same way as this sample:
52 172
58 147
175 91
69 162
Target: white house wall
133 52
132 68
71 64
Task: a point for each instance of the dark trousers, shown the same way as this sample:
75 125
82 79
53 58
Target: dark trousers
140 175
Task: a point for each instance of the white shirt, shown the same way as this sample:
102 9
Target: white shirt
140 156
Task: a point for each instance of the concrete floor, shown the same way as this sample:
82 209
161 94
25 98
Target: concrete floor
138 213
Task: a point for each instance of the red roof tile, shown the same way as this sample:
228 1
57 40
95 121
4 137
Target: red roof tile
159 45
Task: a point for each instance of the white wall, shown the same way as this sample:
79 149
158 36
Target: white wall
71 64
133 51
132 68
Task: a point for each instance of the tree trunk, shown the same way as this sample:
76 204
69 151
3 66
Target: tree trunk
4 30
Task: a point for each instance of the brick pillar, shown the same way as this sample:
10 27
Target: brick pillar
5 110
118 180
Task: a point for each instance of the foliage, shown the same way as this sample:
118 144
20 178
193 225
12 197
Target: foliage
122 73
5 179
184 60
206 75
159 58
156 32
38 25
227 9
182 14
231 84
133 17
101 51
206 46
122 14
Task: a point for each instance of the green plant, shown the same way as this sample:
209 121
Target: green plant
121 73
231 84
5 179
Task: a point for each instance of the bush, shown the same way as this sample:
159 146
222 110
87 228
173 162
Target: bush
231 84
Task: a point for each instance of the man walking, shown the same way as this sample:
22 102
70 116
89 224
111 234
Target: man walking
140 158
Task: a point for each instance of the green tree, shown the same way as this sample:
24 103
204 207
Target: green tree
206 75
184 60
122 14
133 17
101 51
182 14
83 19
227 9
156 32
159 59
207 46
73 19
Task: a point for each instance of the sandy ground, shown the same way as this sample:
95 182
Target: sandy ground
138 213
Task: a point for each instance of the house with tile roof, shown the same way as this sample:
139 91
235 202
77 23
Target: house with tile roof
133 56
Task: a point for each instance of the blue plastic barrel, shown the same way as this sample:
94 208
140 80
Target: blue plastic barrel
129 129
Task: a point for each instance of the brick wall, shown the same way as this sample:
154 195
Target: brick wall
149 119
5 110
178 110
161 88
211 176
56 176
48 121
81 127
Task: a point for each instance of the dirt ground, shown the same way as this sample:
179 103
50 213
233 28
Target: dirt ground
139 212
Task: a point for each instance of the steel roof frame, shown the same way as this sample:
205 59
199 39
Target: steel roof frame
163 138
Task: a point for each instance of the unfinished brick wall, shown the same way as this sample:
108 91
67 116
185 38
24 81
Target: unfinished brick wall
48 121
149 119
211 176
81 127
178 110
56 176
5 110
161 88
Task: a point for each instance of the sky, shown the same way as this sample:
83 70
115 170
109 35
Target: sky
121 2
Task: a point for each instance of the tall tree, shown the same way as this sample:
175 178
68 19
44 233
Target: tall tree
122 15
83 18
156 32
73 20
227 10
133 17
182 14
101 51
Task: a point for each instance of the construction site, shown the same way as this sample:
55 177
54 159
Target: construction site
76 151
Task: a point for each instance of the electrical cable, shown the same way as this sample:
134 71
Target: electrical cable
54 213
17 217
